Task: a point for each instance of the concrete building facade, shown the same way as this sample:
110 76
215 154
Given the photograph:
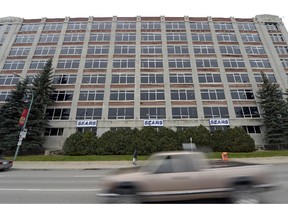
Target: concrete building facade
127 72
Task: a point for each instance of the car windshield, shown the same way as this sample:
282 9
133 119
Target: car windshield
152 163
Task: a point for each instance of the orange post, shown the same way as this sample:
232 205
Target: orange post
224 156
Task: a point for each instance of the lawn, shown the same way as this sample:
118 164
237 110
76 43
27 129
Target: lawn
129 157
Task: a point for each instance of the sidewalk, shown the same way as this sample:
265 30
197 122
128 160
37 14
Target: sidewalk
62 165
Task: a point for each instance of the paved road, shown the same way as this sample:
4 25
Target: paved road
80 186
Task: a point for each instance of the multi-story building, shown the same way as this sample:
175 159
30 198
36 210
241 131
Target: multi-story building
176 72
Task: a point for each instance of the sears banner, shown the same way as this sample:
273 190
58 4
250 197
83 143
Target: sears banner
87 123
154 122
219 122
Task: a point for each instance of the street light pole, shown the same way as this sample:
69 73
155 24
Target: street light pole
24 130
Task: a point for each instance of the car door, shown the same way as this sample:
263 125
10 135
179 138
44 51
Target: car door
172 180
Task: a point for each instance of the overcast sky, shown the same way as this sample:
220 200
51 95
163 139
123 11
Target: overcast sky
106 8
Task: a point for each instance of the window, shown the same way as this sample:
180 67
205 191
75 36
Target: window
52 27
201 37
153 113
49 38
223 26
152 78
74 37
282 50
100 37
179 63
87 129
150 36
77 26
204 50
226 37
93 50
176 37
233 63
53 131
123 63
123 78
96 63
284 62
252 129
178 49
9 80
255 50
272 26
250 38
121 113
14 65
124 50
175 25
270 77
157 94
151 50
125 37
246 112
242 94
58 114
277 37
150 25
93 78
216 112
24 39
209 78
19 51
182 94
184 112
69 63
101 25
39 64
212 94
151 63
246 26
29 27
92 95
181 78
202 63
65 79
260 63
43 51
126 25
199 26
121 95
62 95
238 78
4 95
71 50
88 113
235 50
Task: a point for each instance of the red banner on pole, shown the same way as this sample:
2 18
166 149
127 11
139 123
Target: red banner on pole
23 117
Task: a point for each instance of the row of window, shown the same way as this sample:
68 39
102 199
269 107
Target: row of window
145 63
59 131
149 49
153 112
247 26
150 36
146 78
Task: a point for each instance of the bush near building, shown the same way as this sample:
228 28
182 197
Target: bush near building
149 140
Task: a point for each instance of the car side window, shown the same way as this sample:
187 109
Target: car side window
165 166
180 164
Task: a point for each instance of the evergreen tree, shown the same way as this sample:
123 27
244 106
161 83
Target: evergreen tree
38 121
274 112
10 114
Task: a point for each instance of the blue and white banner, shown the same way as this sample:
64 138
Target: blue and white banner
87 123
219 122
154 122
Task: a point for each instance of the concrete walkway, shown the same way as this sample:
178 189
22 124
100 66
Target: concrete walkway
54 165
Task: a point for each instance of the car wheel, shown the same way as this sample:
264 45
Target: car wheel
244 194
127 196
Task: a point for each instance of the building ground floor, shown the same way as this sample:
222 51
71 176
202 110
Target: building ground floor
61 130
